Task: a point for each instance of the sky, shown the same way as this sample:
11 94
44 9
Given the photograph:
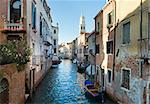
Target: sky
67 14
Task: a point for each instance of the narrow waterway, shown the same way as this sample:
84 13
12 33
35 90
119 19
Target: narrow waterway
61 85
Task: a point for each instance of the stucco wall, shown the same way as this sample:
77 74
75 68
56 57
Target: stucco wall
16 82
128 54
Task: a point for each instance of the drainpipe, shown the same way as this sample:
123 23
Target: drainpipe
141 64
114 45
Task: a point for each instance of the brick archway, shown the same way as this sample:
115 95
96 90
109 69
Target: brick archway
4 91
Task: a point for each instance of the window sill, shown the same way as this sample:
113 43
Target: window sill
127 90
109 54
124 45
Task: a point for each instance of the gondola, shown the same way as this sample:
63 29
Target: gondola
92 89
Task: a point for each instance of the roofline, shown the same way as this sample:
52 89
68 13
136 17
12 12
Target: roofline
99 13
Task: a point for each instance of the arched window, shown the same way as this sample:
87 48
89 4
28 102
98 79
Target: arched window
15 11
4 91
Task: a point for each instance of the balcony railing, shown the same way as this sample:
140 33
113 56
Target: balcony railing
144 48
13 27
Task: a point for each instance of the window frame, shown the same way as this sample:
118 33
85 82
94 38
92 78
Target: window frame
54 41
97 52
55 50
34 13
110 18
126 43
111 49
123 88
109 83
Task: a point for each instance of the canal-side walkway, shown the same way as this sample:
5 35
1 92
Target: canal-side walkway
62 85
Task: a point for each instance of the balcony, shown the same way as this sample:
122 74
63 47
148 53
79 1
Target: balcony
144 52
13 28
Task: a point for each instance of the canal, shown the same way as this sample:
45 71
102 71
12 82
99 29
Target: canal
62 85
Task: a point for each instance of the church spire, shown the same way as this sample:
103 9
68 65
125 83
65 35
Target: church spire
82 24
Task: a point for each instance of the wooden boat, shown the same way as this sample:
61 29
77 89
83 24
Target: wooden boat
92 89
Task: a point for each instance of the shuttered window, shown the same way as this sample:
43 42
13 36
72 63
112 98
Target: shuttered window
125 79
109 47
33 16
97 48
126 33
109 76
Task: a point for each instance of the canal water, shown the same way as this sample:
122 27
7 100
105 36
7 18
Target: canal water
61 85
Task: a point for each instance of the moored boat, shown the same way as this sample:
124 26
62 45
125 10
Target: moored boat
93 90
55 60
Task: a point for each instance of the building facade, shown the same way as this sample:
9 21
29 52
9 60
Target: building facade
55 31
99 55
65 50
125 47
30 20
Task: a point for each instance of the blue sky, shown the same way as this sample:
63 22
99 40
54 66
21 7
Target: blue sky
67 13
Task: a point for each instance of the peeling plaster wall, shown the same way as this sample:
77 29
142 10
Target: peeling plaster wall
128 55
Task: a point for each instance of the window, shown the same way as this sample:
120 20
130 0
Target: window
40 26
97 48
126 33
97 26
54 50
81 27
109 76
110 17
54 42
126 78
54 31
15 11
33 16
109 47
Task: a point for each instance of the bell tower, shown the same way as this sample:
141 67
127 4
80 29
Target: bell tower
82 24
